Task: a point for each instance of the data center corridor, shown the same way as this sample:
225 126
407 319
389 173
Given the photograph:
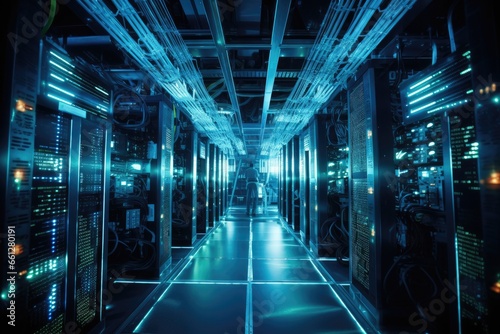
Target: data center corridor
247 275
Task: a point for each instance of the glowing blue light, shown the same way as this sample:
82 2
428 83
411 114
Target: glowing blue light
62 90
465 71
62 68
421 82
57 77
61 58
423 107
58 99
101 90
422 98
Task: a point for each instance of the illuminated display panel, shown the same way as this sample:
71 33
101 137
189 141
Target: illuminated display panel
469 233
90 221
46 271
73 86
360 227
441 87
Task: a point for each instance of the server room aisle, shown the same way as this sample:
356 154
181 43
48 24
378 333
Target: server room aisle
248 275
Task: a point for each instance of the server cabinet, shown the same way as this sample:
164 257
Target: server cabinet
371 204
295 184
224 180
211 184
227 180
218 184
451 184
482 29
141 177
280 187
329 201
56 197
202 187
305 185
289 182
224 184
184 192
318 209
283 183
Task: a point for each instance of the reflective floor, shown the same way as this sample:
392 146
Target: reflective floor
247 275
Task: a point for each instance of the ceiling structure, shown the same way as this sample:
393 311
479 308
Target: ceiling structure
248 73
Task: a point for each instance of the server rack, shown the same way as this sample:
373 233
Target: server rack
224 183
289 182
283 183
329 222
305 185
218 184
483 34
460 195
279 185
318 186
184 192
423 229
56 197
265 186
141 180
202 187
211 184
295 183
371 205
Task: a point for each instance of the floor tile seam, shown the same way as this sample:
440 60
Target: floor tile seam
249 299
192 253
284 259
222 259
310 255
209 282
347 304
289 282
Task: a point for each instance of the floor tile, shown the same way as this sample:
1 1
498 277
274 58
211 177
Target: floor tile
290 270
299 308
197 308
207 269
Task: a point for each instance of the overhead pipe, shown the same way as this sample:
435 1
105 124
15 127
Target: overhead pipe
161 52
279 25
213 17
340 64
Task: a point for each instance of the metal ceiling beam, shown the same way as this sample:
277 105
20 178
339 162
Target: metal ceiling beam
250 44
248 73
279 25
213 17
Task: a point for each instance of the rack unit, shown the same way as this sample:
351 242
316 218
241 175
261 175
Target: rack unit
371 204
56 197
295 184
452 184
184 191
305 196
211 184
202 186
141 181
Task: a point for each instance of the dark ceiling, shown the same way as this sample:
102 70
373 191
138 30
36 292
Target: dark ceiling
265 65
